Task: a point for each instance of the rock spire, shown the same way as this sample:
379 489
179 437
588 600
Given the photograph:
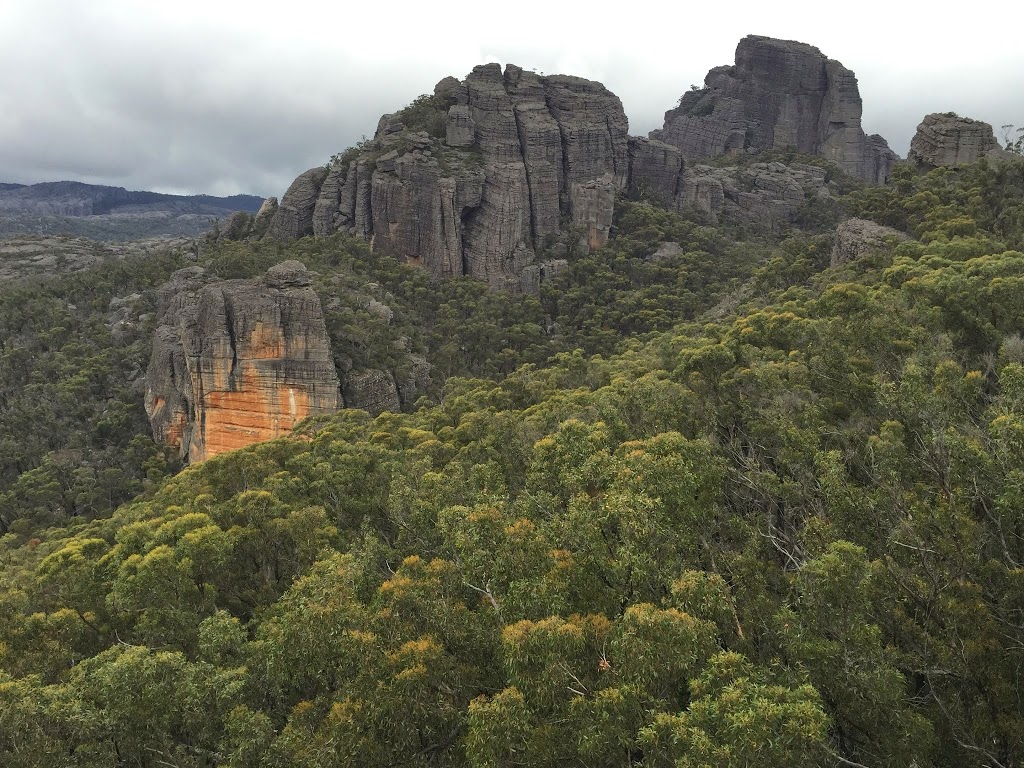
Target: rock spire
779 93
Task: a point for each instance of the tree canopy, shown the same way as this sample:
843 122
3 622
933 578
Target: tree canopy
737 508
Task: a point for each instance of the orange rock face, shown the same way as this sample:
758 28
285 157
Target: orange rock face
238 362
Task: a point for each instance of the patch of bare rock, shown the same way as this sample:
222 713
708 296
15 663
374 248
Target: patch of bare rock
779 93
856 238
946 139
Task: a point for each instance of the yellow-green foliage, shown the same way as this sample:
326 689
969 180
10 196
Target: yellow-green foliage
791 535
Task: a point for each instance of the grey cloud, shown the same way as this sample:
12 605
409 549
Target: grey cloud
234 97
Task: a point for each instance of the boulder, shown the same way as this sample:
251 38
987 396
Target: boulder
946 139
288 274
779 93
665 251
857 237
294 216
450 91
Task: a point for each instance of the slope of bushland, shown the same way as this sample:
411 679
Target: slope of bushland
775 521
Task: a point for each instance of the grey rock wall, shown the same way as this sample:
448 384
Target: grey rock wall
946 139
779 93
520 157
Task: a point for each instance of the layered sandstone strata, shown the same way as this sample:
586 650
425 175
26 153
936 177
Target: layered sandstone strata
236 362
946 139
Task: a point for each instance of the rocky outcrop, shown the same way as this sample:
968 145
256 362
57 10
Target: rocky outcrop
372 390
536 275
664 252
763 195
236 362
264 216
478 178
946 139
32 255
294 216
490 171
857 237
779 93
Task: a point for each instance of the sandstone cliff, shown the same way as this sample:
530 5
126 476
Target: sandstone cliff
236 362
779 93
948 139
478 178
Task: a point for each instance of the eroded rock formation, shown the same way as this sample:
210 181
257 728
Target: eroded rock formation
764 195
293 217
948 139
779 93
512 157
490 171
236 362
857 237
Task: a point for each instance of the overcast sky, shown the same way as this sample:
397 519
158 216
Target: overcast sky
222 97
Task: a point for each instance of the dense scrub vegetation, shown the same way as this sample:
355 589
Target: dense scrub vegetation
73 435
730 509
74 439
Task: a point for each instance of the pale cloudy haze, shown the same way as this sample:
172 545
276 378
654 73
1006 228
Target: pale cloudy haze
227 97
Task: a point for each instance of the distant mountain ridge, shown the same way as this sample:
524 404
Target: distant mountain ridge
75 198
110 213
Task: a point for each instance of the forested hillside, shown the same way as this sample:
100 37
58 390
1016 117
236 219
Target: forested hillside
725 506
